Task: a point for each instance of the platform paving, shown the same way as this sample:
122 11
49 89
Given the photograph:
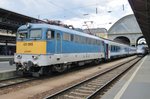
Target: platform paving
134 85
4 66
7 71
5 58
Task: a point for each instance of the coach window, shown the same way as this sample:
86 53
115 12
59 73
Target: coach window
98 42
95 42
50 34
114 48
90 41
111 48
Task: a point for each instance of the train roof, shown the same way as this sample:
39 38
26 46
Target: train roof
60 28
114 42
67 30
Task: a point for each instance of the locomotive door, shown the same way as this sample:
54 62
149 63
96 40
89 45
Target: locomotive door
58 43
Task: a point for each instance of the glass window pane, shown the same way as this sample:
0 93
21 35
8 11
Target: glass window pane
58 36
22 35
35 34
66 37
72 37
50 34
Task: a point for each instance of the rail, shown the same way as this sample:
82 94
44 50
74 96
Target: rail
89 88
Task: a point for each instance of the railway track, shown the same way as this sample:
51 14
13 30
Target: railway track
89 88
15 81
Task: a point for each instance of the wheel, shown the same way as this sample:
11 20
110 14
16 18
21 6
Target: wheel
60 68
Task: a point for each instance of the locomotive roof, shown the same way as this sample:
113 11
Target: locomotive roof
63 29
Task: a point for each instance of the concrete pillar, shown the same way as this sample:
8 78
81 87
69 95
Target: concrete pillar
6 48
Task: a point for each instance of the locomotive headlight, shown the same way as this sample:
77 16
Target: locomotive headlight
35 57
18 56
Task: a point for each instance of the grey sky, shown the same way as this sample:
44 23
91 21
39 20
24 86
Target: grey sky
73 12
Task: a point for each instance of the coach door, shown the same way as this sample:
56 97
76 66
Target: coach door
58 42
106 51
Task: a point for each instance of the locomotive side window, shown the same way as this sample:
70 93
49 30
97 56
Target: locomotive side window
98 42
72 37
82 40
58 36
50 34
66 37
88 41
36 34
76 38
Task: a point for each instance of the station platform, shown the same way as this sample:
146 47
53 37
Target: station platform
133 85
4 63
5 58
4 66
6 71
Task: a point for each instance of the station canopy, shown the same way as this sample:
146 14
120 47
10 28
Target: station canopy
141 9
9 23
11 20
127 24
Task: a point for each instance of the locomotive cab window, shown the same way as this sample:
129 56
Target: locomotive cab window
50 34
36 34
22 35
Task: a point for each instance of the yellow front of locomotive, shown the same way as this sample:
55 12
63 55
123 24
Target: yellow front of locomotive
30 48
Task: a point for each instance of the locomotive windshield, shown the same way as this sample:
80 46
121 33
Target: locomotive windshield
22 35
35 34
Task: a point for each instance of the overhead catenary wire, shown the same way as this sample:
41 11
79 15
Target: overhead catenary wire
70 10
62 8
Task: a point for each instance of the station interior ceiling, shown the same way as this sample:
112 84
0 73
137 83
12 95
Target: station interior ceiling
10 21
141 9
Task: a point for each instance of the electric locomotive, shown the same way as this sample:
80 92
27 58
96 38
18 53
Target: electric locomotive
43 48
